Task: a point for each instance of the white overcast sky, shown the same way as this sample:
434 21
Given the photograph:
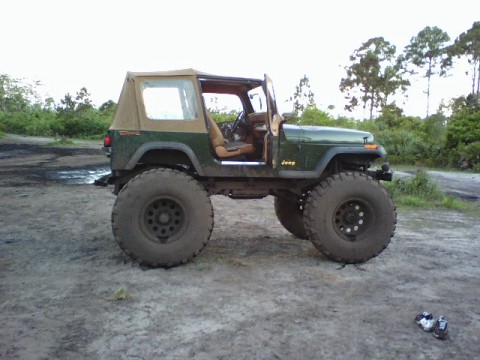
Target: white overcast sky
71 44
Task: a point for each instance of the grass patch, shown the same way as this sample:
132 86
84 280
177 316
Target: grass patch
420 191
412 201
121 293
449 202
235 261
239 262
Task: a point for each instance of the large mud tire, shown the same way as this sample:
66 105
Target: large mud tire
350 217
290 215
162 218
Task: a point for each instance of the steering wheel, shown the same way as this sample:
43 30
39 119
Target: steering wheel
238 120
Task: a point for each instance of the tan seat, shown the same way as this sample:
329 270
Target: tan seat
226 150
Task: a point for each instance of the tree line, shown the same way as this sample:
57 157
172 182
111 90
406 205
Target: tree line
22 111
377 73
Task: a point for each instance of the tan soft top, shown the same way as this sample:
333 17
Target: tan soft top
182 72
130 117
127 116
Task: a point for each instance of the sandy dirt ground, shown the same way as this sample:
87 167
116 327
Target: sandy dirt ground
255 292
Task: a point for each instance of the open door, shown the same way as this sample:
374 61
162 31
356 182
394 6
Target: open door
274 123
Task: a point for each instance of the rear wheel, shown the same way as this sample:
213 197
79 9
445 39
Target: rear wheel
162 217
290 215
350 217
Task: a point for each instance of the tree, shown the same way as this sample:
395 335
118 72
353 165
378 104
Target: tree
471 101
314 116
463 136
14 95
303 97
73 105
468 44
108 106
375 74
463 129
76 116
428 50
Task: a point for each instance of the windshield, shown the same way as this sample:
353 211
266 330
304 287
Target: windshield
275 121
271 98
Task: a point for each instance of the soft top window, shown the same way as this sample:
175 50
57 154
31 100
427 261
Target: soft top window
169 99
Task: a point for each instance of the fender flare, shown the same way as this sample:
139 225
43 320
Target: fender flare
328 156
160 145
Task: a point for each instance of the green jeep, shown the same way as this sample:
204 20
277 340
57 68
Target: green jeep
168 156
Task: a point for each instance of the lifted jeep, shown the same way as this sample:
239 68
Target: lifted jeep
168 156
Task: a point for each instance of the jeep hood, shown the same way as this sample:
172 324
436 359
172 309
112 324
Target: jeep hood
326 135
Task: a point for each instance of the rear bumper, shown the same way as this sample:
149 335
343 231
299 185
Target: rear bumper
107 151
104 180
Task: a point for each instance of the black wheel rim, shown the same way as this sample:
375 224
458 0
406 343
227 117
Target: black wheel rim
352 219
164 220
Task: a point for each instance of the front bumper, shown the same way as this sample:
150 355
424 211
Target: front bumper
382 174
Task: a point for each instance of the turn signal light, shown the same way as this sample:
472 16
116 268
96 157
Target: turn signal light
371 147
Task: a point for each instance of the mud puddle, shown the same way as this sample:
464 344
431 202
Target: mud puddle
77 176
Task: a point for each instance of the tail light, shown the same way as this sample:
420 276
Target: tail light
107 141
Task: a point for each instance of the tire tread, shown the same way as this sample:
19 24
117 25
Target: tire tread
315 200
136 184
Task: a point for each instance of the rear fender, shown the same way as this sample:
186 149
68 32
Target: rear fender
174 153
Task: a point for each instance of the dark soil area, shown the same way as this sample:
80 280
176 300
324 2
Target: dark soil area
28 164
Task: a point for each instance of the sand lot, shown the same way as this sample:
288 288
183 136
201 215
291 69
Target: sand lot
255 292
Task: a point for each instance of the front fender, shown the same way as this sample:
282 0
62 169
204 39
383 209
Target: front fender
374 153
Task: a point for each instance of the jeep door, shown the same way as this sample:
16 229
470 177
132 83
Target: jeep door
274 123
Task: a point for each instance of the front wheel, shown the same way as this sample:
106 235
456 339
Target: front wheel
350 217
162 217
290 215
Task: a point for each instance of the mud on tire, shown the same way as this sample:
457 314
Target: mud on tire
163 218
350 217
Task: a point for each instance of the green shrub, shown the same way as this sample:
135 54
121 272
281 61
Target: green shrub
345 122
449 202
471 153
464 127
91 123
421 191
402 146
314 116
221 117
85 124
2 124
420 185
